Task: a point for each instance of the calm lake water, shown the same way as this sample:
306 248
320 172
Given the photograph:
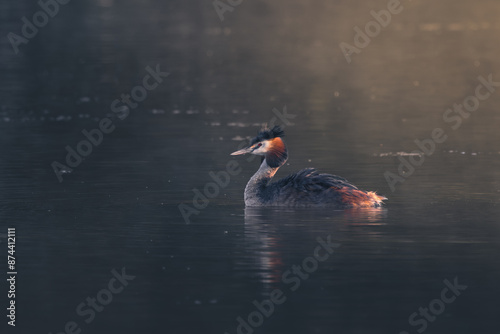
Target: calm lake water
112 233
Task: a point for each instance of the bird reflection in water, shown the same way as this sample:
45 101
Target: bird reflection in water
277 238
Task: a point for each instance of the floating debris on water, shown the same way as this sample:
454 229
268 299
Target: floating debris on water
399 154
157 111
238 124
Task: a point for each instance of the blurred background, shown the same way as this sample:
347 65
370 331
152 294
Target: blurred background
120 206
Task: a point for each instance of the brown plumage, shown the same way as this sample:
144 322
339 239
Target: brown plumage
358 198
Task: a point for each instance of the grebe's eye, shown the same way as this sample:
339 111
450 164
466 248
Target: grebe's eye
259 145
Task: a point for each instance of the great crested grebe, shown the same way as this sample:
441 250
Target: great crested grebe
306 188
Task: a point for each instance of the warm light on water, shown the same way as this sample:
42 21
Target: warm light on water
164 91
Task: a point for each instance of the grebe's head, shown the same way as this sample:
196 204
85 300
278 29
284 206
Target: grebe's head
269 145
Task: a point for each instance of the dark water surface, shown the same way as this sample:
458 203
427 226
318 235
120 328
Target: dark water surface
117 212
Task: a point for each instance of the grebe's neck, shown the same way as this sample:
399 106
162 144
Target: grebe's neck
257 184
275 157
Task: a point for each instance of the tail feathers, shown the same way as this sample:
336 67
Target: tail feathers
378 199
358 198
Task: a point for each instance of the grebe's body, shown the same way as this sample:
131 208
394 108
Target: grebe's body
306 188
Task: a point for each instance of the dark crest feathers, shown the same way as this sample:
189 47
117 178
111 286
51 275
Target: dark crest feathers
267 134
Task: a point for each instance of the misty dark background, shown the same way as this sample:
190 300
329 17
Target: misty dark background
119 207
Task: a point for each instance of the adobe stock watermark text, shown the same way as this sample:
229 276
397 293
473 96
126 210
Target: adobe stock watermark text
121 109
